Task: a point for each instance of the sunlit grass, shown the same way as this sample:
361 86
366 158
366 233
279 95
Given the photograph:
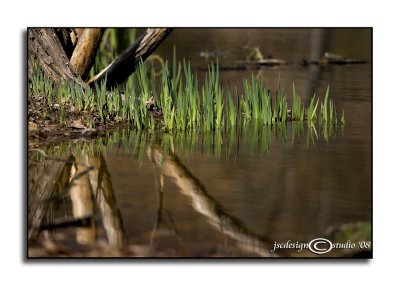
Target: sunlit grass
180 103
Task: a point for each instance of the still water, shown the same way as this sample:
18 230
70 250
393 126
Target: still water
233 193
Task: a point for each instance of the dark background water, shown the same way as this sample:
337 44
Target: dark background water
294 192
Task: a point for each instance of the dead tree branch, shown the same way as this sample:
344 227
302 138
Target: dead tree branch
85 52
119 70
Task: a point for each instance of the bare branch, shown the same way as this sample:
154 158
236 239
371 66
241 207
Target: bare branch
85 52
119 70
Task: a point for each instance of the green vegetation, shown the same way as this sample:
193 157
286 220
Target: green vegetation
219 143
184 105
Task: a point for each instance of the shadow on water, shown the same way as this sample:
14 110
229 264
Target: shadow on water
73 211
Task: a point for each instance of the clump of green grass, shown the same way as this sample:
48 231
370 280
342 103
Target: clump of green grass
231 110
42 85
324 106
297 107
185 105
101 99
312 110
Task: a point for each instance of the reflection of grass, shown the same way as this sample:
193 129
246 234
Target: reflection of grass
297 130
355 232
254 137
342 120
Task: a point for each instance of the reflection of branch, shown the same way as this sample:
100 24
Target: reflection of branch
176 232
68 222
160 193
206 205
44 179
159 219
66 189
85 177
104 194
82 203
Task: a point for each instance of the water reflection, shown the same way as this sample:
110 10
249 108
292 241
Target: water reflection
72 200
81 188
206 205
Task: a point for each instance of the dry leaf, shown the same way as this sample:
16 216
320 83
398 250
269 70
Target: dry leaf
77 124
32 127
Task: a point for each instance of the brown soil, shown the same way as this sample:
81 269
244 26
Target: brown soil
65 122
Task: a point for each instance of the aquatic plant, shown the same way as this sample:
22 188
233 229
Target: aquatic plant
312 110
297 108
232 111
174 100
101 101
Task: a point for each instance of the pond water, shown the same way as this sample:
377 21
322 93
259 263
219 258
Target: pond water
233 193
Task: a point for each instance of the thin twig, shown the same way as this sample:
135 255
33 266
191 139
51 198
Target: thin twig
70 184
43 153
